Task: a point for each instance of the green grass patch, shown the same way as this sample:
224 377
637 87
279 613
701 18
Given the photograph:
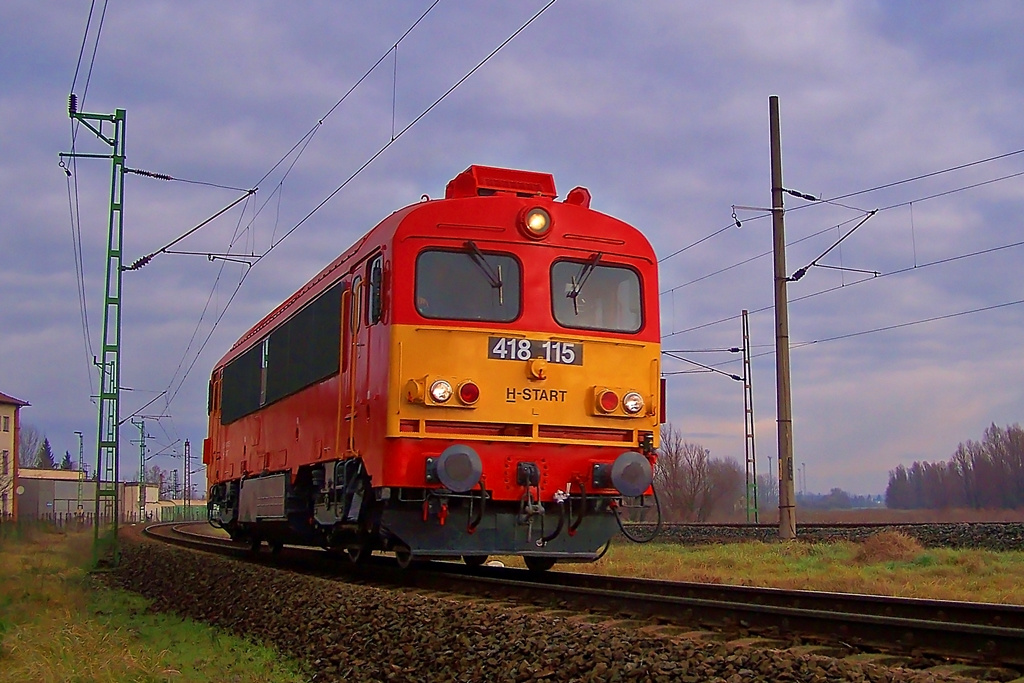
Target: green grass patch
56 625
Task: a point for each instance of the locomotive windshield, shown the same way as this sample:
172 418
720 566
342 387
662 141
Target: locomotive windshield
468 285
591 296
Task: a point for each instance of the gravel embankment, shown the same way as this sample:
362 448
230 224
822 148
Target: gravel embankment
980 535
348 632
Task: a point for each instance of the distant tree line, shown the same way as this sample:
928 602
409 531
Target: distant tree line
986 474
836 499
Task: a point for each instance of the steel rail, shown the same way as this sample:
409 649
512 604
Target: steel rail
850 620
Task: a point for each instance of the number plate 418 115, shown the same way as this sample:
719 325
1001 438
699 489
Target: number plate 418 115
516 348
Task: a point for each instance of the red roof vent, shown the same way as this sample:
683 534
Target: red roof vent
477 181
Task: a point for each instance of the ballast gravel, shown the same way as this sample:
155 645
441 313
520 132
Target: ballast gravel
350 632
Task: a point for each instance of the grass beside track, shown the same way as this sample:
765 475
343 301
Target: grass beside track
889 563
57 624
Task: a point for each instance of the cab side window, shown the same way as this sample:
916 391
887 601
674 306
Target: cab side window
375 293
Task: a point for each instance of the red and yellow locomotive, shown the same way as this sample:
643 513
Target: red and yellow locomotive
478 375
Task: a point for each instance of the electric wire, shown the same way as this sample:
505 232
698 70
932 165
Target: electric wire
370 160
73 203
195 331
928 175
304 141
900 271
301 144
885 208
753 258
164 176
840 337
80 286
81 50
95 50
404 130
834 200
911 323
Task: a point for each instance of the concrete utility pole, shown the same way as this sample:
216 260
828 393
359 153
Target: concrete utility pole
787 495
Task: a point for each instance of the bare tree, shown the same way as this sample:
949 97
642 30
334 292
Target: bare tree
692 486
767 491
6 483
724 489
29 441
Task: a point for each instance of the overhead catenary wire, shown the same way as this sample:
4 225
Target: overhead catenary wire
879 210
139 263
827 290
301 144
840 337
408 127
835 200
73 195
83 309
304 141
359 170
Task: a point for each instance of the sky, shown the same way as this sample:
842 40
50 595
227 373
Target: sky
660 108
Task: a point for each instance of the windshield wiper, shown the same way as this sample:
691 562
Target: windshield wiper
493 276
580 279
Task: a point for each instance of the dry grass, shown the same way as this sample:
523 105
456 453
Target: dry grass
888 546
890 563
55 625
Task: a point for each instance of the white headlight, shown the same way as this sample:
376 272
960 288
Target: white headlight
440 391
632 403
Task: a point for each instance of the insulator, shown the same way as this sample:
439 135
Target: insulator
72 103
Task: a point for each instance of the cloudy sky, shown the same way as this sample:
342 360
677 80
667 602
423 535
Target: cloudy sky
659 108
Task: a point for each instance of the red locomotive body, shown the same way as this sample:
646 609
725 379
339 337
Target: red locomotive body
477 375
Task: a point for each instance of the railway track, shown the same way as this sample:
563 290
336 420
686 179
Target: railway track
924 632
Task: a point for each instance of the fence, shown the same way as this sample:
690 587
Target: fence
71 520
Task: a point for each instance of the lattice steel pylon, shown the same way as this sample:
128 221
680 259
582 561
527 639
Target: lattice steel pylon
109 362
748 411
188 479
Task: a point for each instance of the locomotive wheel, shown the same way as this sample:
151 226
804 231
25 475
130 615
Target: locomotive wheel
474 560
254 544
403 556
538 563
276 547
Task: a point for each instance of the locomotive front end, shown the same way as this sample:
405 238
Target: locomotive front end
524 390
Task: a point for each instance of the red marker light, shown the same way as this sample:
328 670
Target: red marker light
469 393
608 401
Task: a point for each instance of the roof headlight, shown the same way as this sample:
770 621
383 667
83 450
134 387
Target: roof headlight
440 391
535 222
632 403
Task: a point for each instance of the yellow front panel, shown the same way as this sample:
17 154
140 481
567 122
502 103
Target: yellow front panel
521 396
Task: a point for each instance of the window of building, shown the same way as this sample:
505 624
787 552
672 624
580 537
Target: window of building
468 285
7 423
5 458
591 296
